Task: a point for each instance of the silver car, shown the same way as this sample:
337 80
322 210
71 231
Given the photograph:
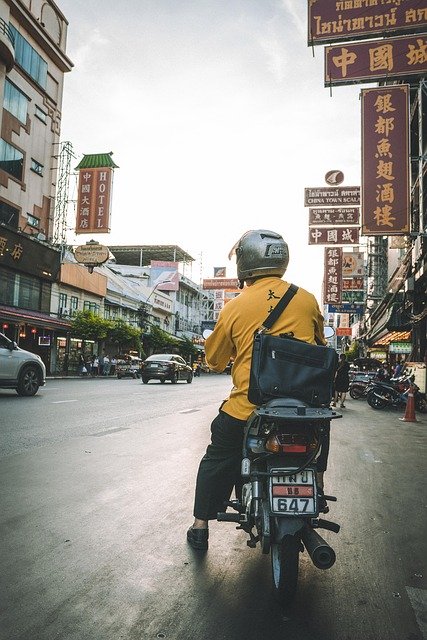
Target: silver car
20 369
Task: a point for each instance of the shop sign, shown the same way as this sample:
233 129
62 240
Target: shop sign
352 264
220 272
94 200
20 252
342 20
353 296
322 235
333 275
331 196
91 253
334 216
220 283
352 283
400 347
346 308
376 60
385 160
343 331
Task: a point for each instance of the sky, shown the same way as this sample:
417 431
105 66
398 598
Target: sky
218 118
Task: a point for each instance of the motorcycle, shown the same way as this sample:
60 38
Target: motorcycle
359 388
280 502
388 394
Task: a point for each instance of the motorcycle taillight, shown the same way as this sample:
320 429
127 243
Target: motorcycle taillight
291 443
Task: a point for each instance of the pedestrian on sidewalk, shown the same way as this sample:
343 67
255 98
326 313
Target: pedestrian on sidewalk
342 381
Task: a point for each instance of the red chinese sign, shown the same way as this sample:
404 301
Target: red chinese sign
329 20
385 160
334 216
94 200
321 235
352 283
333 275
375 60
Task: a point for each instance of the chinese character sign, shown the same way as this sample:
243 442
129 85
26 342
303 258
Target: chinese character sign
334 216
94 200
322 235
333 275
368 61
385 160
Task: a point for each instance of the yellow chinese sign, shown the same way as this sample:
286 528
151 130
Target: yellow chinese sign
385 160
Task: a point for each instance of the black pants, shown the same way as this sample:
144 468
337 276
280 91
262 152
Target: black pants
220 468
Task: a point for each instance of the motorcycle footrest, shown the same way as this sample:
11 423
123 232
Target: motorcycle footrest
327 524
330 498
234 504
229 517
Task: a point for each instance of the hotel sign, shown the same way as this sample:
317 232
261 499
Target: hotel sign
341 20
94 200
376 60
385 160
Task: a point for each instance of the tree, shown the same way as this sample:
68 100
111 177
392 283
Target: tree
88 326
158 340
187 349
124 336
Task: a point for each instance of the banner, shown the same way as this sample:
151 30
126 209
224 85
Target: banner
94 200
333 275
164 275
385 160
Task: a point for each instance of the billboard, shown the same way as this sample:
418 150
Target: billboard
333 275
323 235
385 160
376 60
164 275
342 20
94 200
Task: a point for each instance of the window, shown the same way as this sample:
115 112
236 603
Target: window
15 101
33 221
63 300
11 160
9 215
29 59
91 306
74 305
36 167
41 115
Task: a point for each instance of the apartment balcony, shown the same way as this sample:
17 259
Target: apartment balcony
7 46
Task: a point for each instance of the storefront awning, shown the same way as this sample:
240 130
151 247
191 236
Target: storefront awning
393 336
36 318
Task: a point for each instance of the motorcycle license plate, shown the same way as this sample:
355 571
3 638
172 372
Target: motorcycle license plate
294 494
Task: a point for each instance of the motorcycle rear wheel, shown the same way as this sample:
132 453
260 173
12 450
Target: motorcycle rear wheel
421 404
376 402
356 392
284 568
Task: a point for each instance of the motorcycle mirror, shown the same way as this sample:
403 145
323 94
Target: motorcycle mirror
206 333
329 332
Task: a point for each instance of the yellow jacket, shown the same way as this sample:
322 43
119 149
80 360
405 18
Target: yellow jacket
237 323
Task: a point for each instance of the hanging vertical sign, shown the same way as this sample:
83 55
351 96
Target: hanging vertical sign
333 275
385 160
94 193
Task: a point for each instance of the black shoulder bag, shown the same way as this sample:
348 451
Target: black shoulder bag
284 367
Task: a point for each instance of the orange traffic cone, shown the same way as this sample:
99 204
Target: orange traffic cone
410 407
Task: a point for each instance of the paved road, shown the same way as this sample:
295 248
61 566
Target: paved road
97 484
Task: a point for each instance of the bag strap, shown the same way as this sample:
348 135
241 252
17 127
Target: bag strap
278 309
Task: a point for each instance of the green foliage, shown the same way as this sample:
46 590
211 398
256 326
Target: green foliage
124 335
187 349
88 326
353 351
158 340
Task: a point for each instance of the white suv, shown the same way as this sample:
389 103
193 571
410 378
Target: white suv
19 369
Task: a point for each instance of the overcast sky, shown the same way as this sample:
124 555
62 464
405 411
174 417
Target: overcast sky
217 116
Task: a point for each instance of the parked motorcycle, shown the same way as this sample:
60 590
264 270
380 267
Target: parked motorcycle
388 394
280 500
359 388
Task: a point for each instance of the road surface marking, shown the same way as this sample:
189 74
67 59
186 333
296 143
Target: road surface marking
63 401
418 600
189 411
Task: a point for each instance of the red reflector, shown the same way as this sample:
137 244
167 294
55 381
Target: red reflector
294 448
289 490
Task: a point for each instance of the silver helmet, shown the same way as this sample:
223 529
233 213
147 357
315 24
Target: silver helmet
260 253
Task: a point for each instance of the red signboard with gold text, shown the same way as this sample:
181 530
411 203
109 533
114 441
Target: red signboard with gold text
332 20
333 275
94 200
385 160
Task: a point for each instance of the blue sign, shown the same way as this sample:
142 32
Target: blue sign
346 308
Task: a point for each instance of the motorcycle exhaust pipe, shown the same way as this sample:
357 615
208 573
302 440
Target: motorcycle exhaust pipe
321 554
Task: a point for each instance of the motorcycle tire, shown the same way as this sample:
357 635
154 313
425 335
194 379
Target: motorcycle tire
421 405
356 392
284 568
375 402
